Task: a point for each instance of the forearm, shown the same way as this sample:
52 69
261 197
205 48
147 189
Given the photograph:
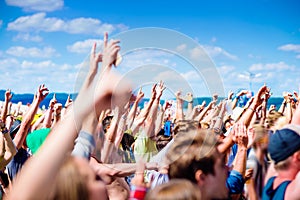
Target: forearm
248 114
189 109
240 160
179 110
296 116
152 118
131 115
158 121
48 118
25 124
203 113
289 113
282 106
144 113
10 150
4 111
226 144
219 120
121 129
234 102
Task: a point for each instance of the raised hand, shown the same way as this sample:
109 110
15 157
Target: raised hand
69 101
140 94
230 94
8 95
241 93
241 136
110 51
160 88
215 97
189 97
296 95
42 93
258 99
95 58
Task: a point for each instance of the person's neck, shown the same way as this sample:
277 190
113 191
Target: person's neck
285 175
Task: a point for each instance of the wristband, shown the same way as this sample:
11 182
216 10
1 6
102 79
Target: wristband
4 130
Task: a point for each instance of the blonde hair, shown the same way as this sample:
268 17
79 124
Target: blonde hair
69 183
176 189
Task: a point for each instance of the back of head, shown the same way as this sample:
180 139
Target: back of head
69 183
106 123
176 189
192 149
283 144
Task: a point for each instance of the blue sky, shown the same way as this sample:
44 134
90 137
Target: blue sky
48 42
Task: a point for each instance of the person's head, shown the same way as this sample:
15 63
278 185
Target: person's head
261 137
127 141
106 123
227 124
284 147
272 118
76 180
194 156
176 189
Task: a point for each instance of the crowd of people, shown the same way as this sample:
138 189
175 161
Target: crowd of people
103 145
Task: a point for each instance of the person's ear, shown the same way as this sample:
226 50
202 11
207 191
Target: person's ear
200 177
297 156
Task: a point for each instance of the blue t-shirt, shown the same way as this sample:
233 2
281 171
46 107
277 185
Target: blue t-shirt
15 165
274 194
167 128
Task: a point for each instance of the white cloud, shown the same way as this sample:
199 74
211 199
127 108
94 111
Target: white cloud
1 22
225 69
191 76
37 5
39 22
280 66
197 53
25 76
84 46
290 47
39 65
8 63
28 38
215 51
19 51
181 47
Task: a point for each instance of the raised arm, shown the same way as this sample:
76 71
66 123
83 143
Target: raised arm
258 99
179 107
145 112
150 122
240 132
26 122
132 112
7 97
48 115
8 148
189 99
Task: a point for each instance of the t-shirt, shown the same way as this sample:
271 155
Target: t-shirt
274 194
36 138
144 147
15 165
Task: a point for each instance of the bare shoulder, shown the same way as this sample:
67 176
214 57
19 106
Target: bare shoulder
293 189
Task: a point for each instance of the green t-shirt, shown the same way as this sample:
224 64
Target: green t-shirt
36 138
